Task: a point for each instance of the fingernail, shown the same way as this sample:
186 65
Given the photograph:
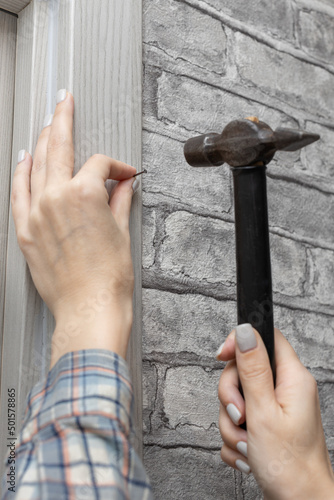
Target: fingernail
242 466
47 121
22 155
135 185
245 337
61 95
242 447
234 413
219 350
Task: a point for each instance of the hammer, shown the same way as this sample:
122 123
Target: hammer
248 145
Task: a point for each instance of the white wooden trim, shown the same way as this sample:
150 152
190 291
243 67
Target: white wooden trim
8 26
22 345
14 5
99 61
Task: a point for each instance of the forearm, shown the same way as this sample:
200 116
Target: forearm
100 321
75 441
315 488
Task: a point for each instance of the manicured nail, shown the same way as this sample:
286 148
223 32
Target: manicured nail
22 155
242 447
219 350
234 413
61 95
245 337
242 466
135 185
47 121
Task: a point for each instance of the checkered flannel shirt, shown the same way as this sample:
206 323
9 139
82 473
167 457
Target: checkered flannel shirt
74 443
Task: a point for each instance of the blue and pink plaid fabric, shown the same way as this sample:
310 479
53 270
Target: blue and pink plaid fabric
75 439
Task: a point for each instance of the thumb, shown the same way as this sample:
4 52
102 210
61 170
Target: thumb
254 369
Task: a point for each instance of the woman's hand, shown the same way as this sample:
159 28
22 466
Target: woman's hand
76 242
284 445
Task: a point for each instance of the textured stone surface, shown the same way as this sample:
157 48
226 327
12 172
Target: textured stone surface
310 334
208 62
203 474
288 262
195 106
199 248
316 34
301 210
286 78
149 393
317 159
322 285
191 397
170 26
327 409
273 17
185 323
149 224
172 179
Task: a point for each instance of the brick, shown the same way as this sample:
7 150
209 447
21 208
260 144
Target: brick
283 76
317 158
322 286
185 323
149 222
189 474
182 32
201 108
249 488
149 393
331 456
288 261
328 2
275 18
327 408
196 401
316 36
203 249
198 248
301 210
310 334
171 177
198 325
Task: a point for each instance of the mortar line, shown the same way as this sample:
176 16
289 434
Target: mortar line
253 32
186 445
228 219
284 109
190 291
230 91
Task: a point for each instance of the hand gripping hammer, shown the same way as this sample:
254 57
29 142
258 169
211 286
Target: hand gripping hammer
248 145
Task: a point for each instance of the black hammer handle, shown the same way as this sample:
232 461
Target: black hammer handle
254 285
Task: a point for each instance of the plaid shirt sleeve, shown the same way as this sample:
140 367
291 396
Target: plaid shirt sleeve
74 443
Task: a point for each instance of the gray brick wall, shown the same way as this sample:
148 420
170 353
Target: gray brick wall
207 62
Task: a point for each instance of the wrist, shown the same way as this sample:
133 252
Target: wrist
327 490
320 485
103 324
308 490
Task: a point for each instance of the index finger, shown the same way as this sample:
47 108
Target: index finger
106 168
287 361
226 351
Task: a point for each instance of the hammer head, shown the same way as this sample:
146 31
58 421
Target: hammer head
244 143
